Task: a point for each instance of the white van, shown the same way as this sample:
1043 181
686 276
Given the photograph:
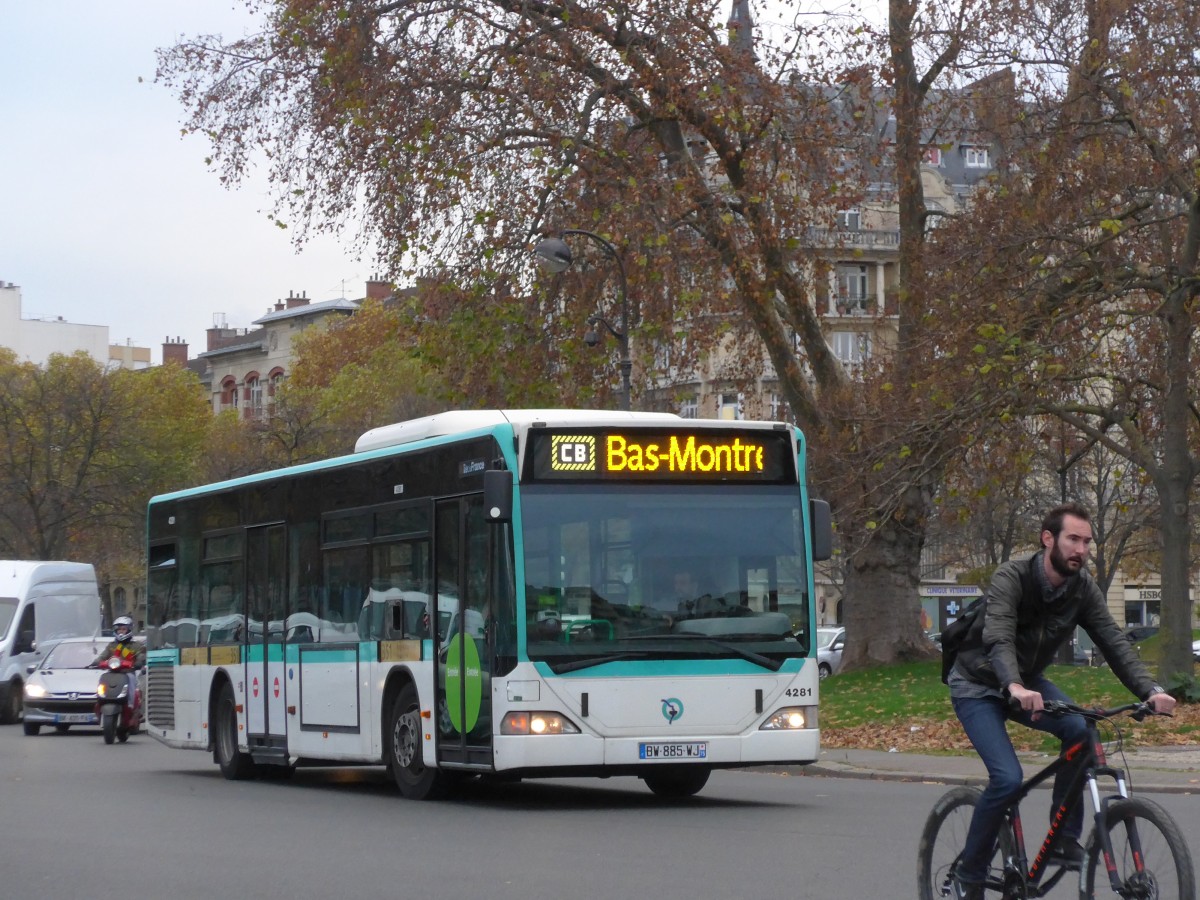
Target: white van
40 603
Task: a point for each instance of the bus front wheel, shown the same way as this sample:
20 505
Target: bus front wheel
414 779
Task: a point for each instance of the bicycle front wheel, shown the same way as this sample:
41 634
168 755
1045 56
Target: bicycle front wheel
942 841
1150 856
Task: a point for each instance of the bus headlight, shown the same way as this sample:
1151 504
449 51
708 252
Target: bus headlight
791 718
537 723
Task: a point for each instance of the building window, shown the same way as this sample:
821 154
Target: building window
779 407
851 290
976 157
852 348
229 393
730 406
933 156
689 407
849 220
254 397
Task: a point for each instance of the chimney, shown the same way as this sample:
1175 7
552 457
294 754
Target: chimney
175 351
378 289
293 301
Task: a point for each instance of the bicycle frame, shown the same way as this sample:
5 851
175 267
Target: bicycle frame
1089 759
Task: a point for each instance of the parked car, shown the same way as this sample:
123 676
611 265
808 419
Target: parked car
1196 650
1138 633
829 650
61 691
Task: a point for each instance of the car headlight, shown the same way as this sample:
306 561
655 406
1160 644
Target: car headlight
791 718
34 690
537 723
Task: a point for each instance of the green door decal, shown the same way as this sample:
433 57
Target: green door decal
463 693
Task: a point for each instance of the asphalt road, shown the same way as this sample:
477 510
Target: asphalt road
81 819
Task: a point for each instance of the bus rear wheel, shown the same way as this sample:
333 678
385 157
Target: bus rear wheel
677 783
234 764
414 779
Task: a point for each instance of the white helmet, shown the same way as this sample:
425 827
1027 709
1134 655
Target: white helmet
123 629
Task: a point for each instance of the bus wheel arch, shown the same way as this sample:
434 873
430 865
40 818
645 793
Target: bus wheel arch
223 732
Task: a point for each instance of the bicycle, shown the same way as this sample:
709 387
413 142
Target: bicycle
1134 847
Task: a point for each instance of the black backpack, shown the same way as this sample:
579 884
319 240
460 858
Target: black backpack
956 633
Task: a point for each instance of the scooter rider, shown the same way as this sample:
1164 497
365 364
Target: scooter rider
124 646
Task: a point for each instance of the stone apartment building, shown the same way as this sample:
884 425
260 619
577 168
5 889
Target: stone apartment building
242 368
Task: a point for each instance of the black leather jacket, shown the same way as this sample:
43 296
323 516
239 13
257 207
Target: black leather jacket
1019 633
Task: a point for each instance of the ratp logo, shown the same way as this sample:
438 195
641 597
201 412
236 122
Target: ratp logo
672 709
573 453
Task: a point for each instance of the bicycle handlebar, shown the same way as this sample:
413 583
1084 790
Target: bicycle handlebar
1137 711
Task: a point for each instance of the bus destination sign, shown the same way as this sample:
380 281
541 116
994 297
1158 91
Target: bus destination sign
658 455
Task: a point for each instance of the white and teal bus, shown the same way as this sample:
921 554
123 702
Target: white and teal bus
494 594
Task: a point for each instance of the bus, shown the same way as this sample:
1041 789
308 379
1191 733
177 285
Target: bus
492 593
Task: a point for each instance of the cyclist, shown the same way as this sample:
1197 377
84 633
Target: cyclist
1031 609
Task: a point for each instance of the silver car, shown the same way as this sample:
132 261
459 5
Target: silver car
829 650
61 691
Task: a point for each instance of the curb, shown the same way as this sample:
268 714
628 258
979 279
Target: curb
1140 782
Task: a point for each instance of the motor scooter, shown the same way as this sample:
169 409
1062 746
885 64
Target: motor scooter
120 714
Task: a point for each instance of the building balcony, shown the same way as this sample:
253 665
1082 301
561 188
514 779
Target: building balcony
860 239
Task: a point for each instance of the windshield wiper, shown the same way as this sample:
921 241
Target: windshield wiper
576 664
749 655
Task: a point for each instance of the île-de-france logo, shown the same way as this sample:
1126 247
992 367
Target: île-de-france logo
573 453
672 709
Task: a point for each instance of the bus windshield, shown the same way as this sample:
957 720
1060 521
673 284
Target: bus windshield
621 572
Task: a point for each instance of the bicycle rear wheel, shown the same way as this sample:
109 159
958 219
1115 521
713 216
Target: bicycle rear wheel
1150 855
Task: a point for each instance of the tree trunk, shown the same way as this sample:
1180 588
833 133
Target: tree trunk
882 604
1174 480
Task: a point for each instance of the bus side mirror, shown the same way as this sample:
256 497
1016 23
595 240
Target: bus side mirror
821 521
497 495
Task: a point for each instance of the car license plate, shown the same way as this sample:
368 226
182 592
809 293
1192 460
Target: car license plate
75 717
660 750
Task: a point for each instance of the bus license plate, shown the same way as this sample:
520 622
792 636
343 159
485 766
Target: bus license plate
698 750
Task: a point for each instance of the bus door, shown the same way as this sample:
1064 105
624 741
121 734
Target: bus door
266 593
464 700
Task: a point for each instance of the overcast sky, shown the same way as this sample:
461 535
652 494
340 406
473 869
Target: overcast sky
108 216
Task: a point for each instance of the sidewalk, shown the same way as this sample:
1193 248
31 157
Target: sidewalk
1171 770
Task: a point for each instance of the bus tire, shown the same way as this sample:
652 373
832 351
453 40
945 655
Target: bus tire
235 765
677 783
404 759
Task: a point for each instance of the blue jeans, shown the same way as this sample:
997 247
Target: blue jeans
983 720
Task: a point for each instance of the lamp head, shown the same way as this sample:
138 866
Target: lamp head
554 254
591 337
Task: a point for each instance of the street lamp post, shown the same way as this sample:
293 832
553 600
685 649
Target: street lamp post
556 256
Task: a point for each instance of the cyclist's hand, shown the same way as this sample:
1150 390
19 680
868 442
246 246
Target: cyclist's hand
1163 703
1030 701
